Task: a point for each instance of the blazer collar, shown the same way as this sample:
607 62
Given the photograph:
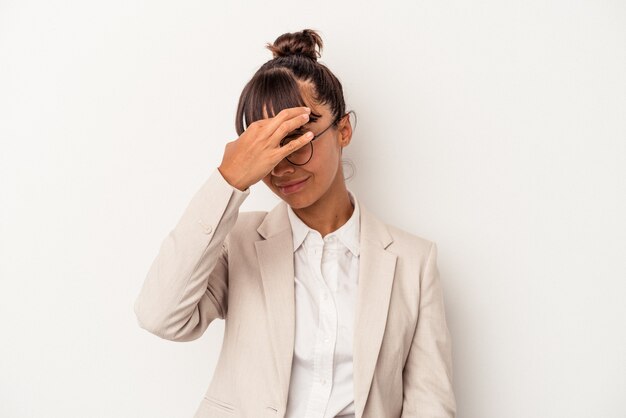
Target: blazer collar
277 221
376 274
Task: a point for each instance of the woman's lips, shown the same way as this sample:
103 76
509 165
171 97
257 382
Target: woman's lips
293 188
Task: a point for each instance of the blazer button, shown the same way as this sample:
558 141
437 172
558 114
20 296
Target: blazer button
207 228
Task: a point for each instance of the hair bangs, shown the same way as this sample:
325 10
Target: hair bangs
275 90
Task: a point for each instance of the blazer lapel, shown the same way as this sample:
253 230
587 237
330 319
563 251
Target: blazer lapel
376 273
275 256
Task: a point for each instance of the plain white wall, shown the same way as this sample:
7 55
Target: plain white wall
495 128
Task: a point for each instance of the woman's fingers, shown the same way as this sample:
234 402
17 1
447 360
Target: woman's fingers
279 130
283 123
294 145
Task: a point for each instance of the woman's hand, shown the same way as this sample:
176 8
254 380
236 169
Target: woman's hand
257 151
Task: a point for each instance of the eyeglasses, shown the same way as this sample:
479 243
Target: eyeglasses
303 155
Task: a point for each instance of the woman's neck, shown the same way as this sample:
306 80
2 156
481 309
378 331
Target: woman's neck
329 212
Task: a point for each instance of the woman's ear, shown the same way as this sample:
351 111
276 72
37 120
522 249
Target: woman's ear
345 132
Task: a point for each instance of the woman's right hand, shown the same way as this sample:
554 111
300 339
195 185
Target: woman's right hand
257 151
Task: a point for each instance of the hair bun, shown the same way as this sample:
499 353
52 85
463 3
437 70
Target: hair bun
297 43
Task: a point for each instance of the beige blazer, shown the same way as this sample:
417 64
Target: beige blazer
219 262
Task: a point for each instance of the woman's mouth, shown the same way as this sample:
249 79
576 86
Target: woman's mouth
293 188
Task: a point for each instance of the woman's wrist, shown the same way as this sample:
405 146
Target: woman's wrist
230 180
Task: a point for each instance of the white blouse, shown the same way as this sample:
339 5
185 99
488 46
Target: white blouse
326 277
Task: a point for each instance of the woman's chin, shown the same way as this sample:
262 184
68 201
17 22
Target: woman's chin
296 200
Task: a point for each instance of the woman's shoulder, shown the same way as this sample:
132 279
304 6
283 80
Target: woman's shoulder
407 242
401 237
402 234
248 221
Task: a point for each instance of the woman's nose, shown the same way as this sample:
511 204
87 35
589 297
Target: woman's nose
282 168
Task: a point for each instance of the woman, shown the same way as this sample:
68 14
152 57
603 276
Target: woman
328 310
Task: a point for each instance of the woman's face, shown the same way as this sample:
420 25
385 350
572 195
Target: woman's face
321 174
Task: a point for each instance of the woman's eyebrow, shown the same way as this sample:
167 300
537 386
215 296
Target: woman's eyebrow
306 126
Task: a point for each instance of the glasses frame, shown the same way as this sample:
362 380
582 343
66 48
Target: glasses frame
310 143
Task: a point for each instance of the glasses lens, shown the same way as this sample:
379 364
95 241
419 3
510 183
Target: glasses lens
302 154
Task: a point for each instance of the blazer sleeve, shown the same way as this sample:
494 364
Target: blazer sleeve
427 374
186 287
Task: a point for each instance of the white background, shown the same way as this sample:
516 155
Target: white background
495 128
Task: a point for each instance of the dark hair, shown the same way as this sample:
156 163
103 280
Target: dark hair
277 83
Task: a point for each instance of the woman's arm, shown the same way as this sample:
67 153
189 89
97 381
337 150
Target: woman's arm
427 374
186 287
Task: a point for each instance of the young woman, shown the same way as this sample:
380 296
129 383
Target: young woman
329 312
